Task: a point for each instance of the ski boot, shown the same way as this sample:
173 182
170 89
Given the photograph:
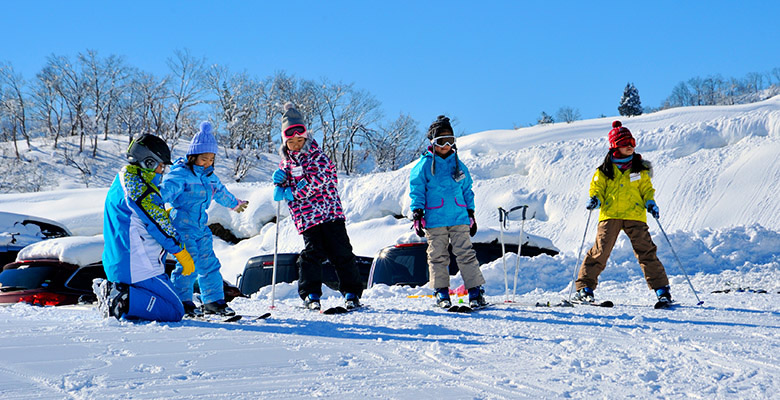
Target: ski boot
119 300
191 310
477 298
102 288
442 296
218 307
585 295
663 294
312 301
351 301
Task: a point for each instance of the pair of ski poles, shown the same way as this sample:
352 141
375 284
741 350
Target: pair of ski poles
579 253
503 216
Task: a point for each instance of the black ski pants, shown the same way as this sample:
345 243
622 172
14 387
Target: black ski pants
327 240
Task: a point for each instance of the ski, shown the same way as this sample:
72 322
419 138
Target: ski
340 310
463 309
665 305
231 318
572 303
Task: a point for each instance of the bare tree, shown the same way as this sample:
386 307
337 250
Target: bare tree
395 145
71 86
49 107
13 100
186 90
568 114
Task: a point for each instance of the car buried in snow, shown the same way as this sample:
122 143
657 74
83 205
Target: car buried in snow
60 271
17 231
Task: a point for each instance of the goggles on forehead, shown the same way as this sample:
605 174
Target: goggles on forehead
443 141
299 130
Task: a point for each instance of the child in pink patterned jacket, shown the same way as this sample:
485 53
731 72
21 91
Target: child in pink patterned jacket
307 179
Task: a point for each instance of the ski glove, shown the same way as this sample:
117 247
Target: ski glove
281 193
652 208
279 176
419 222
593 203
472 223
185 259
241 206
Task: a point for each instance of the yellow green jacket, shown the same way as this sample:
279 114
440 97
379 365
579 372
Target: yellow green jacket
623 196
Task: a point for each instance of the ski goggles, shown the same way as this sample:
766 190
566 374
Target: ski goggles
443 141
625 142
295 130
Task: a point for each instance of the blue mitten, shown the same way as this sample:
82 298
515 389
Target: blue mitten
278 193
652 208
279 176
288 194
593 203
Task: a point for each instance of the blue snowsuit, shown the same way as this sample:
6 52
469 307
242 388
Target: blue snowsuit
433 189
137 234
190 191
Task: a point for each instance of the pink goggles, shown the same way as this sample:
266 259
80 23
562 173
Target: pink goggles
295 130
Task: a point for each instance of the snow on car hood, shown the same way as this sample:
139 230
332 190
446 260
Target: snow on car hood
78 250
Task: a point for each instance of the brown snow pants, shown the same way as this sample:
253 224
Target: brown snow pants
439 257
644 250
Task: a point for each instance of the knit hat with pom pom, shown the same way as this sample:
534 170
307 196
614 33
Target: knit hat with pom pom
204 141
620 136
292 118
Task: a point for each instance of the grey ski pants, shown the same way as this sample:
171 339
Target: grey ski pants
439 257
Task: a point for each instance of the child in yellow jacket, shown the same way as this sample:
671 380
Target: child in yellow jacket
622 189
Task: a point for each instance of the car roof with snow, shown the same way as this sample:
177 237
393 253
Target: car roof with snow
78 250
19 230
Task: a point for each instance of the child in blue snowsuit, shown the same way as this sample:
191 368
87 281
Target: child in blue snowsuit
189 189
443 211
138 233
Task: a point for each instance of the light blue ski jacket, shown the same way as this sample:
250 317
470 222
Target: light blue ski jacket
434 189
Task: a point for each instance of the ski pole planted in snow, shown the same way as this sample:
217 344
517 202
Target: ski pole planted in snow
700 302
276 252
501 218
519 248
579 253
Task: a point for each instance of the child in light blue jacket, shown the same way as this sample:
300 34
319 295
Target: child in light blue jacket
443 211
189 189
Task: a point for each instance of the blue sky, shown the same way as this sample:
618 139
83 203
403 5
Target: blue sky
489 64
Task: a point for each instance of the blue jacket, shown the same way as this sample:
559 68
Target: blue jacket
433 188
190 192
136 230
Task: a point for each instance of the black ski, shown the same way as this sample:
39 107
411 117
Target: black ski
232 318
464 309
339 310
572 303
665 305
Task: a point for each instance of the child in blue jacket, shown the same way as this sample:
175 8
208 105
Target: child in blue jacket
138 233
443 211
189 189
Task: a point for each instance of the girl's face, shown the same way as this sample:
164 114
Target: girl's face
295 143
626 151
442 150
160 168
205 160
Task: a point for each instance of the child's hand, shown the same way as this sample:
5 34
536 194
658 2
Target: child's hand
241 206
593 203
472 223
288 194
279 176
652 208
185 259
281 193
419 222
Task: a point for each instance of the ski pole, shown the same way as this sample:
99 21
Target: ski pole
579 253
519 251
501 217
678 262
276 251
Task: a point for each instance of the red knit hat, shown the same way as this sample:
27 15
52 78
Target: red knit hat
620 136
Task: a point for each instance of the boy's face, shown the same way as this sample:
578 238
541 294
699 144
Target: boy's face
295 143
626 151
160 168
205 160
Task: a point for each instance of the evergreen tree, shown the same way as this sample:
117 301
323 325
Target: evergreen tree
545 119
630 105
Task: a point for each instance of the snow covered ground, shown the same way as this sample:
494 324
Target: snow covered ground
717 177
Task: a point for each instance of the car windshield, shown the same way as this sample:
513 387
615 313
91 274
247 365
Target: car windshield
26 277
